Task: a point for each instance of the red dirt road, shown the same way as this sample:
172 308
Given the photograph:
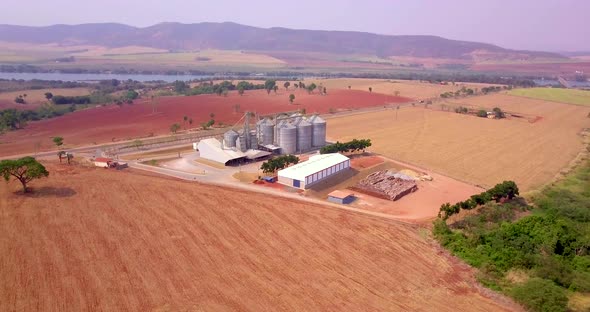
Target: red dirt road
102 124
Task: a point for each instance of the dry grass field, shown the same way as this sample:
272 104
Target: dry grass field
477 150
407 88
570 96
102 240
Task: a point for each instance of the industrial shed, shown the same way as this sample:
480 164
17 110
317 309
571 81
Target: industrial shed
318 168
212 149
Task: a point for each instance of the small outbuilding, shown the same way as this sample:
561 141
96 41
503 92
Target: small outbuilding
341 197
103 162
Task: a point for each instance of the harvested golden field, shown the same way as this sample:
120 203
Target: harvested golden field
407 88
104 240
477 150
36 97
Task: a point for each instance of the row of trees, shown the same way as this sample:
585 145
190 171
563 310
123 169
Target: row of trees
278 163
504 190
550 245
346 147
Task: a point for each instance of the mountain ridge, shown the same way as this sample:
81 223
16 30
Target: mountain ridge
232 36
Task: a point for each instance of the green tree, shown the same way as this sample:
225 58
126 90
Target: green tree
269 85
24 170
541 295
58 141
174 128
311 87
291 98
20 100
131 94
286 85
498 113
241 90
180 86
48 95
275 89
482 113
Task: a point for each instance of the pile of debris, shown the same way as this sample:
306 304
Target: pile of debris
387 185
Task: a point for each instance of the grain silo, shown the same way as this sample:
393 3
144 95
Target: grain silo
241 142
266 130
253 140
318 125
304 134
229 138
287 138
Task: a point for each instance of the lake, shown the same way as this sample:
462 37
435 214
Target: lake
95 77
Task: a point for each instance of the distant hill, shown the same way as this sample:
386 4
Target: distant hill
232 36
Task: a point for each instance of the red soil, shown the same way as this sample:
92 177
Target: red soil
130 121
365 162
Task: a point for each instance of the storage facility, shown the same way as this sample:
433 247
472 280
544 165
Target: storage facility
318 168
212 149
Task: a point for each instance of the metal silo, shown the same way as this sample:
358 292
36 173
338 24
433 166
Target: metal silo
241 143
253 140
287 138
229 138
267 132
304 134
318 137
296 117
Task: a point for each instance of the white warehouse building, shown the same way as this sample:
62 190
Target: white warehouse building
318 168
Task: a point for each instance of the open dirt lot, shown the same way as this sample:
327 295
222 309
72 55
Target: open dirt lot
407 88
36 97
477 150
97 239
104 124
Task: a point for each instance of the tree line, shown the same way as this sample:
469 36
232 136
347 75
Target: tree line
505 190
278 163
548 243
346 147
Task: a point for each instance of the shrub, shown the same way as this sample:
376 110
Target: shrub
541 295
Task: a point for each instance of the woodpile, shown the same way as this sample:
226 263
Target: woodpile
386 185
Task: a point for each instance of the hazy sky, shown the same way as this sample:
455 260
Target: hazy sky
556 25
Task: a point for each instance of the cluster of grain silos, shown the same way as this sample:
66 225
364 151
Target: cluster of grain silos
294 133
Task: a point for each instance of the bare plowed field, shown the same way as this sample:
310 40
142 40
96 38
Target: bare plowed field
106 124
101 240
476 150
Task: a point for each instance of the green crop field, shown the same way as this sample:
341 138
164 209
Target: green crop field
570 96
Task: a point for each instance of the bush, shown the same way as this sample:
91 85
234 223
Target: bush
541 295
482 113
